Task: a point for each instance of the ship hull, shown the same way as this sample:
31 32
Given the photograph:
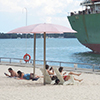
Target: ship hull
93 47
88 30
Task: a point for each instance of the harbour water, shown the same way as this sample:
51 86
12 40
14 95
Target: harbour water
57 49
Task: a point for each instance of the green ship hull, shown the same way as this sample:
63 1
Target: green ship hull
88 29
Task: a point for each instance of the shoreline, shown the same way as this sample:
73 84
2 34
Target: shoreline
14 89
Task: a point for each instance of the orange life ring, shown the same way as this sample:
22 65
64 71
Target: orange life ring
26 56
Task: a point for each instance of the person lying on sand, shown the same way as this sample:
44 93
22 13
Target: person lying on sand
12 73
21 75
67 77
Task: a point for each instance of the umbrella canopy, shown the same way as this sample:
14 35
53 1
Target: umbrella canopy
42 28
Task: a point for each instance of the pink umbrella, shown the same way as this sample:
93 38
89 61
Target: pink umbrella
42 28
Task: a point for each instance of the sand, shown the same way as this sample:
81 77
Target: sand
13 89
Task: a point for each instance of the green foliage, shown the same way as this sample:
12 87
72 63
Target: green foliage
14 36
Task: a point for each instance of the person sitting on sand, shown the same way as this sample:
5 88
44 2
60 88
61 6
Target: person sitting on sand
21 75
12 73
67 77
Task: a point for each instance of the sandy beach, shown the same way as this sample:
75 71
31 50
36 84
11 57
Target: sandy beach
13 89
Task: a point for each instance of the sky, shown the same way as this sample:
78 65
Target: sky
18 13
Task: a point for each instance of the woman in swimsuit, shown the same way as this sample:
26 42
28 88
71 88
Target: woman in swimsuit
67 77
21 75
51 72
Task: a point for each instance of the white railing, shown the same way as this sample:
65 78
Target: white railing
67 65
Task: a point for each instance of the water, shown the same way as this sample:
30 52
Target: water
59 49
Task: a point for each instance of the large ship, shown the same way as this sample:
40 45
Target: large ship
87 24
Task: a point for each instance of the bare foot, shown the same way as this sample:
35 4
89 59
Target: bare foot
80 80
79 74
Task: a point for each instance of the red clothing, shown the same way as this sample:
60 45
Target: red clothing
65 77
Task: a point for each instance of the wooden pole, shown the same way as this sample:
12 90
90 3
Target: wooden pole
44 55
34 55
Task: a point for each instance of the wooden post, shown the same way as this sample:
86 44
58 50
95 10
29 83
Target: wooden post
34 55
44 55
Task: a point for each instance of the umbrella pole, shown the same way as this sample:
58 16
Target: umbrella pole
44 55
34 55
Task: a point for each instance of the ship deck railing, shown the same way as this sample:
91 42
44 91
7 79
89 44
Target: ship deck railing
84 12
68 66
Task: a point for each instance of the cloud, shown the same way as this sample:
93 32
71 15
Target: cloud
39 11
49 19
9 6
44 6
